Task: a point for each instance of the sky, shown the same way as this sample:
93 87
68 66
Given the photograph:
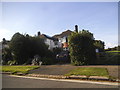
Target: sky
100 18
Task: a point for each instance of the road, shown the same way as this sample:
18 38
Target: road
20 82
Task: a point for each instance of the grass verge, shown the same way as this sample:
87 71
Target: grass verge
89 71
18 69
114 51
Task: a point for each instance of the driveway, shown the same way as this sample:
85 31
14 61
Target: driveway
53 69
63 69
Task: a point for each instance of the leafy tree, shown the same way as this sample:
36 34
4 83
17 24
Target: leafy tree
25 47
37 46
18 46
99 45
6 55
116 48
82 50
6 52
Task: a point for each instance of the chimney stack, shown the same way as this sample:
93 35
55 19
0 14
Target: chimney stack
76 28
39 33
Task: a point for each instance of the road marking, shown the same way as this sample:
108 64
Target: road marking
78 81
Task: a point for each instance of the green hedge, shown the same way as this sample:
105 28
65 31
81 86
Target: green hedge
48 61
109 58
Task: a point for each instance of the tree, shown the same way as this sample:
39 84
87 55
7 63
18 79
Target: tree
25 47
6 55
82 50
18 46
116 48
6 52
37 46
99 45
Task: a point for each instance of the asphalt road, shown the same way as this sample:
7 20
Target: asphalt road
19 82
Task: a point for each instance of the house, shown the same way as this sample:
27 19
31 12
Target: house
50 41
59 40
63 39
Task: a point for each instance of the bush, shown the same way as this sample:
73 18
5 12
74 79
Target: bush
12 62
6 55
24 47
109 58
48 61
57 50
76 63
82 50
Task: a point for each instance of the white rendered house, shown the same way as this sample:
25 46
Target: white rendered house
50 41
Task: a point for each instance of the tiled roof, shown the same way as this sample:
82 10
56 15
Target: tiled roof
65 33
46 36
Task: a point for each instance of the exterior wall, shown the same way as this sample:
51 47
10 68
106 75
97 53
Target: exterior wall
61 43
62 40
51 44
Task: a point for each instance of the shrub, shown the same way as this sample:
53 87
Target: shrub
47 61
12 62
76 63
24 47
82 50
57 50
109 58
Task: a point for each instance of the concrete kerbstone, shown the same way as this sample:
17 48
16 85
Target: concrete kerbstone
73 77
67 77
98 78
6 73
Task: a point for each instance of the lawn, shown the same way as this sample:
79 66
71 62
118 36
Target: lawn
113 51
18 69
89 71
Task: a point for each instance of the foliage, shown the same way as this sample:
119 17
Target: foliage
18 46
116 48
48 61
113 51
82 50
37 47
12 62
6 55
99 45
88 71
16 69
25 47
57 50
109 58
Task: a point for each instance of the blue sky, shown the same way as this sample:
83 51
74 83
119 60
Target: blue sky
100 18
